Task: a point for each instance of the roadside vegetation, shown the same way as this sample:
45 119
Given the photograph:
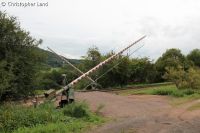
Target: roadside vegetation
194 107
170 90
177 96
45 118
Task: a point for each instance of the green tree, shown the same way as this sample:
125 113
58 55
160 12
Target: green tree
194 56
18 58
92 58
194 78
121 73
184 79
143 70
171 58
178 76
116 72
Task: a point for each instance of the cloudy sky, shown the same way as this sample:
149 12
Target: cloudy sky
70 27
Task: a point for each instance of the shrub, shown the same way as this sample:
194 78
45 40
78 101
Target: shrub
178 93
167 91
13 117
33 120
184 79
173 92
188 92
99 108
77 110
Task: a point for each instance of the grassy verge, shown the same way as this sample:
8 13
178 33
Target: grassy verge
46 119
143 85
194 107
187 98
170 90
177 96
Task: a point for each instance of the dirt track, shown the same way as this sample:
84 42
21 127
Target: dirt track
142 114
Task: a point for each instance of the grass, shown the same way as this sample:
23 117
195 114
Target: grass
162 90
148 85
45 118
185 99
194 107
39 92
60 127
170 90
178 97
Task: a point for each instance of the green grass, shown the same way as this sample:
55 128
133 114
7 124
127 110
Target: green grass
178 97
148 85
75 126
45 118
181 100
169 90
39 92
162 90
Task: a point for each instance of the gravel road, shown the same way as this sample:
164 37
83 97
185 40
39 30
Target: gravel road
142 113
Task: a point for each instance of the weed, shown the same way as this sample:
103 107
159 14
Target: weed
99 108
45 118
77 110
194 107
169 90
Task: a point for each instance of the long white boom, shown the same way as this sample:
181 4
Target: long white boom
64 58
97 67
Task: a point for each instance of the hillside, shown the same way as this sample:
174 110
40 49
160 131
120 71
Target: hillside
53 60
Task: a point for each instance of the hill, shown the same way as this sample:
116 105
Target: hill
53 60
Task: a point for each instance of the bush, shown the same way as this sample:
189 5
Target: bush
178 93
184 79
77 110
188 92
167 91
13 117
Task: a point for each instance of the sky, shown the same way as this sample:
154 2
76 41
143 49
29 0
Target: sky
70 27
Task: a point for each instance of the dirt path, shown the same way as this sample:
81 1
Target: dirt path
142 114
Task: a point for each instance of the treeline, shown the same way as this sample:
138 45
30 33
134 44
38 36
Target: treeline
171 66
143 70
25 68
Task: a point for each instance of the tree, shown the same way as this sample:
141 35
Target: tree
178 76
121 73
18 58
194 56
92 58
143 70
184 79
171 58
194 78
